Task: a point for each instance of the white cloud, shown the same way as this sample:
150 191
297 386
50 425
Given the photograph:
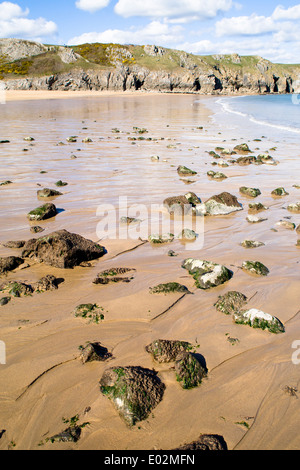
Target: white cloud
14 23
153 33
245 25
92 5
292 13
183 10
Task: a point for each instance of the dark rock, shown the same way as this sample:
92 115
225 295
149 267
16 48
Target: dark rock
36 229
9 264
242 148
47 211
46 192
63 250
94 352
4 301
243 161
135 391
113 276
48 282
168 288
189 371
206 442
14 244
164 351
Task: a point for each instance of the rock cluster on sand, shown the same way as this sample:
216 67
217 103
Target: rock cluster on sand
206 273
232 303
251 192
135 391
188 368
62 249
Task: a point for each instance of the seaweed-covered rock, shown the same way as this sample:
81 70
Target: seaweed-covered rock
265 159
255 267
258 319
94 352
46 192
192 198
47 211
135 391
157 239
251 192
206 442
222 204
71 434
187 234
279 192
61 183
168 288
91 312
129 220
63 249
184 171
252 244
286 224
231 302
295 207
243 161
16 289
258 207
189 371
10 263
5 183
206 273
242 148
216 175
165 351
113 275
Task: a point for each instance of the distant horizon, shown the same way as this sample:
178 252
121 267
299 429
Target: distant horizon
199 27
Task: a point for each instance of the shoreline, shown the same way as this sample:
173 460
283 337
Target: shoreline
43 380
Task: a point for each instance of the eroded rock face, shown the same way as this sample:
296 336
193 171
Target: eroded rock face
165 351
63 249
135 391
206 442
206 273
14 244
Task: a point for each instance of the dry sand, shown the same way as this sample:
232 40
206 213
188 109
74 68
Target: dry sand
44 381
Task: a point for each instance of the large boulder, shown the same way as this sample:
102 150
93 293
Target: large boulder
135 391
206 273
63 249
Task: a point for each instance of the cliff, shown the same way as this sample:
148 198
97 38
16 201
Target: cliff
28 65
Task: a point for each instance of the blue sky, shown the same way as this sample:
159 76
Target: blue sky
267 28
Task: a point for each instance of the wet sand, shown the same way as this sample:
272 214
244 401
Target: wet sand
44 380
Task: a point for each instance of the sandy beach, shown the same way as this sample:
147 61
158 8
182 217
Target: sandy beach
247 395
